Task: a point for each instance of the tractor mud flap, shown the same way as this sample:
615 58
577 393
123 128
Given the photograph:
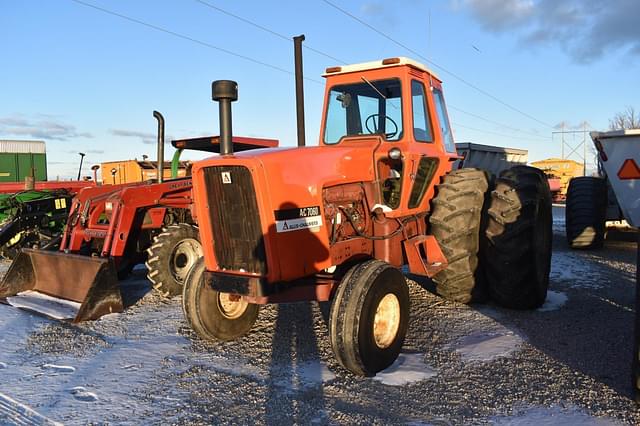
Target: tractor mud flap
81 285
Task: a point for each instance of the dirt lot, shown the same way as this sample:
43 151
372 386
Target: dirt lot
566 363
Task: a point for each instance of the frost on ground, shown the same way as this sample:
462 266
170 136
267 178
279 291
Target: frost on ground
486 346
59 368
50 306
552 416
555 300
460 364
13 412
408 368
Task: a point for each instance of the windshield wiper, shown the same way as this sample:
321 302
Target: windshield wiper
377 91
374 87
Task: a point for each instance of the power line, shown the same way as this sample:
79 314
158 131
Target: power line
268 30
496 123
457 77
487 131
247 58
326 55
191 39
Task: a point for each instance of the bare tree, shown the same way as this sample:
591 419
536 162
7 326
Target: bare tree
627 119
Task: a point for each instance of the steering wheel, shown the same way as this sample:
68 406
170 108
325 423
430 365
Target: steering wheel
372 117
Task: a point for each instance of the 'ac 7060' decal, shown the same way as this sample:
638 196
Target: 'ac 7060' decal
298 218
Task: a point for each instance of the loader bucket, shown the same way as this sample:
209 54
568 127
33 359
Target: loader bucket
62 285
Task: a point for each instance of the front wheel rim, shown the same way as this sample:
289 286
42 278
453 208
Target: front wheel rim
231 306
386 321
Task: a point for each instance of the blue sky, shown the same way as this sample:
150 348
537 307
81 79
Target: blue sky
84 80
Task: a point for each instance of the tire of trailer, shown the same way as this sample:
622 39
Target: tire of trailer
517 249
214 315
585 212
369 317
171 254
455 222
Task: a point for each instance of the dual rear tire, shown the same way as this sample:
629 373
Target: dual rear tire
517 243
502 242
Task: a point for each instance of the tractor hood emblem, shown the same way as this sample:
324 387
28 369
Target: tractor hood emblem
226 177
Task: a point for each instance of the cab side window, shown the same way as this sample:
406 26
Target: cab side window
421 128
443 118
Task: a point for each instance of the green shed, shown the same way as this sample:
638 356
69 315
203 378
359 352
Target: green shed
19 159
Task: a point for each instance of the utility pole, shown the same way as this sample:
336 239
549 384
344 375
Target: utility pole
573 148
82 154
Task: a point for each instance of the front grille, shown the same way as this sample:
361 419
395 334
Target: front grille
235 219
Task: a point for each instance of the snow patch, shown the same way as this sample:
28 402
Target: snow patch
110 317
486 346
408 368
314 372
59 368
235 368
14 412
553 416
50 306
3 365
555 300
565 266
82 394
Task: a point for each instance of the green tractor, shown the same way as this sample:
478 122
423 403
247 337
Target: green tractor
32 219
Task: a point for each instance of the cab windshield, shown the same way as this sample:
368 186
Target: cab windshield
366 108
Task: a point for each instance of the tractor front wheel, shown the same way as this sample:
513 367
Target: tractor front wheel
517 254
212 314
172 253
369 317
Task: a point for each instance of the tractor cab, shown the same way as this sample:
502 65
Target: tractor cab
399 102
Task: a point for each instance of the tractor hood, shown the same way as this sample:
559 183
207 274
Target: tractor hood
288 185
298 175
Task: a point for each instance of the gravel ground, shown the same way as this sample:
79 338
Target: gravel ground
566 363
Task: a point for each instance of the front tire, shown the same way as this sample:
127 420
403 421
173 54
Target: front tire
214 315
172 254
369 317
517 254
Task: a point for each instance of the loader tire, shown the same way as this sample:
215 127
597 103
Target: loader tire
455 223
585 212
172 253
214 315
517 254
369 317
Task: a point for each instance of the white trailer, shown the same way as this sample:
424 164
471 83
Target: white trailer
493 159
619 153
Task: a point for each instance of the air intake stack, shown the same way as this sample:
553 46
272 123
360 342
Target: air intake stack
224 92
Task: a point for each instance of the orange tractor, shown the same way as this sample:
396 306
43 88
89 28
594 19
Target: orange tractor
335 222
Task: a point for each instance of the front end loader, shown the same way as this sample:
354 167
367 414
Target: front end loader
110 229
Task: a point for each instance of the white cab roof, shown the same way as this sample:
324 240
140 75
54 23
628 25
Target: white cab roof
364 66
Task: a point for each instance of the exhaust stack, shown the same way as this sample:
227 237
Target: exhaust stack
297 54
160 166
224 92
